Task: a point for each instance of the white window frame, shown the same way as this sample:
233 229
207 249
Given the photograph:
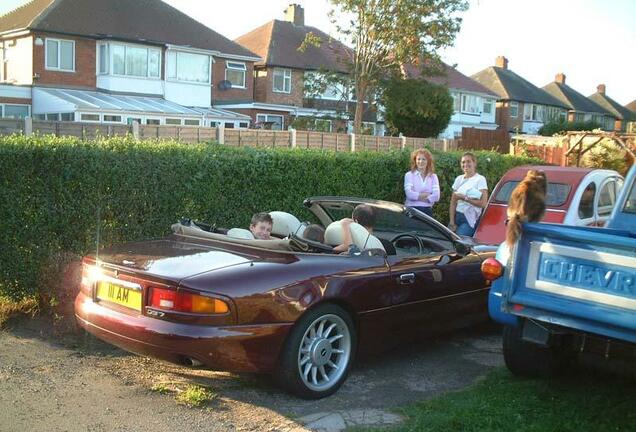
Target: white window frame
59 55
3 109
90 121
243 69
121 118
152 118
488 102
111 70
176 58
470 104
516 106
191 120
282 119
287 80
99 59
165 121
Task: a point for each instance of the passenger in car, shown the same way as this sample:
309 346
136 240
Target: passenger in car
362 214
314 232
261 226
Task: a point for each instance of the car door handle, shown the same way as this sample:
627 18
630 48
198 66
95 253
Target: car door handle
407 278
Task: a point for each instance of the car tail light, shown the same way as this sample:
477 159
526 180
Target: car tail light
491 269
181 301
90 274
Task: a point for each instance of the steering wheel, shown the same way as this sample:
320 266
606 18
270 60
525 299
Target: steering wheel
398 237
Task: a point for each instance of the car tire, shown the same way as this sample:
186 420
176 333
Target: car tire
528 359
318 353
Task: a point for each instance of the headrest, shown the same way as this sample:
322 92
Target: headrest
241 233
285 224
359 236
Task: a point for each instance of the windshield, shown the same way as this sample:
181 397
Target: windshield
630 202
556 196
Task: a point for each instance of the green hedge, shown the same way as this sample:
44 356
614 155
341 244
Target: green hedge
56 192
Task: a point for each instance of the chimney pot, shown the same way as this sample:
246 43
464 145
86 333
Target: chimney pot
601 88
501 62
295 14
560 78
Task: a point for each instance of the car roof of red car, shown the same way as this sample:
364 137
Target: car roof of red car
571 175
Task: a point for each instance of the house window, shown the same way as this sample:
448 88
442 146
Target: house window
188 67
16 111
244 125
275 121
229 125
282 80
112 118
52 117
514 109
214 124
89 117
154 122
103 59
135 61
456 101
487 106
60 55
67 117
131 120
470 104
171 121
189 122
235 73
322 125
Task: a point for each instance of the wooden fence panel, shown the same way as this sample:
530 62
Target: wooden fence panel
482 139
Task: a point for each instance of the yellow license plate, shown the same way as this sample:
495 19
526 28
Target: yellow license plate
121 295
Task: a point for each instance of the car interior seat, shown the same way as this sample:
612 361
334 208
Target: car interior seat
286 224
241 233
359 235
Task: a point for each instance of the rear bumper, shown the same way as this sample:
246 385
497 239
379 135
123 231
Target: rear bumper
253 348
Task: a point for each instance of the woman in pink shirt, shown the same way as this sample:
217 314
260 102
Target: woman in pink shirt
421 185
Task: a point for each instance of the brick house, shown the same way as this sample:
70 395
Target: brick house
473 104
282 76
622 114
118 61
579 107
521 106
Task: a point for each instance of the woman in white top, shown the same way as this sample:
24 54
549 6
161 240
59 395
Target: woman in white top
470 196
421 184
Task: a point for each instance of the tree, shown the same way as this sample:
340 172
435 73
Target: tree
416 107
386 34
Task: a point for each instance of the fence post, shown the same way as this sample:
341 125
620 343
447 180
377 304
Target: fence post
352 142
28 126
445 145
135 130
292 138
402 141
220 133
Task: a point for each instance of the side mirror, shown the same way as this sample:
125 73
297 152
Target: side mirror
462 247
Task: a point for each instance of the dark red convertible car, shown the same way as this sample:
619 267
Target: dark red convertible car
289 306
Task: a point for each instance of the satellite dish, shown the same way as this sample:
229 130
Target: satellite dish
224 85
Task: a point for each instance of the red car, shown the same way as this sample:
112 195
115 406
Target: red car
291 307
576 196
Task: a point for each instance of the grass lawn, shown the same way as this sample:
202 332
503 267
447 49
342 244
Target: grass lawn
581 401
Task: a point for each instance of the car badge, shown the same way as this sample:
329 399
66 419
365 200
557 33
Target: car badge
128 262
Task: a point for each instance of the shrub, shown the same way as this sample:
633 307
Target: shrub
556 127
64 195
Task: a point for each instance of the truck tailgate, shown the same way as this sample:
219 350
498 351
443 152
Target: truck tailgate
583 278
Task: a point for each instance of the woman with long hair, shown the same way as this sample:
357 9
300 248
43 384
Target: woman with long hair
421 185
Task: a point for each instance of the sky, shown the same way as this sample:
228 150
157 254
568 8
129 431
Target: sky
591 41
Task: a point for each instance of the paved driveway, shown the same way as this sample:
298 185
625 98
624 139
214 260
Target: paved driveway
76 383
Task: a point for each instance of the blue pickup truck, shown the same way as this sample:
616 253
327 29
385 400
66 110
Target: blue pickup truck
568 289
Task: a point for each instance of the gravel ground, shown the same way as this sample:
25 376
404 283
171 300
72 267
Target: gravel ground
69 381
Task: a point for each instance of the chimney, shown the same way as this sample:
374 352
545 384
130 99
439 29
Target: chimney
600 88
560 78
501 62
295 14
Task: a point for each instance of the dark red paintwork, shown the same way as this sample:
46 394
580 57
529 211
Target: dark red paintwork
491 228
269 290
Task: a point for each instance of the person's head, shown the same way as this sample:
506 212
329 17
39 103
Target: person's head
468 163
422 160
363 214
526 204
315 233
261 226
